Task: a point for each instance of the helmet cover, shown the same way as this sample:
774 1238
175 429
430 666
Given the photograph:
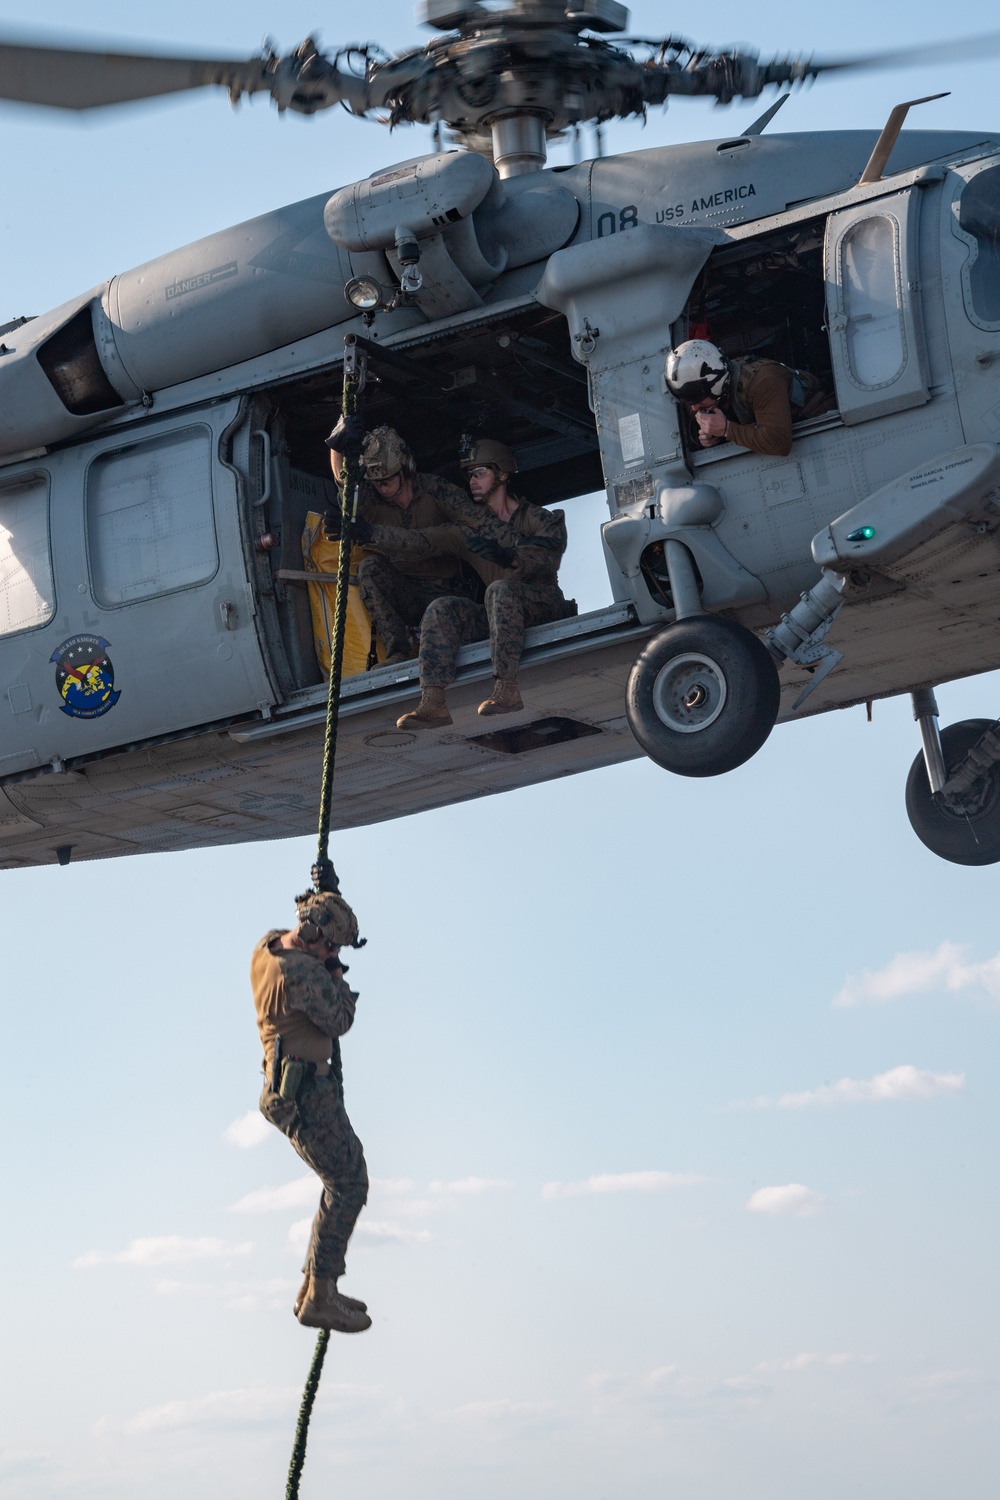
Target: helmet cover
332 914
385 454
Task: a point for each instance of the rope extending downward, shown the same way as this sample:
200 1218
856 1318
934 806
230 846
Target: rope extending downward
353 384
305 1412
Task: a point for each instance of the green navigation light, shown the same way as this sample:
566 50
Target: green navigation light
863 534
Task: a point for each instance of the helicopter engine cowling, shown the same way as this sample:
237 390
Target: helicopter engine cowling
226 298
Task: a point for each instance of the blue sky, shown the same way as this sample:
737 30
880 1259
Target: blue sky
679 1098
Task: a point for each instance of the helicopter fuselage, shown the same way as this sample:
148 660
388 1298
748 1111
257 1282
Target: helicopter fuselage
161 447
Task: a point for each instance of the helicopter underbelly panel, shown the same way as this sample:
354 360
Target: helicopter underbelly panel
260 780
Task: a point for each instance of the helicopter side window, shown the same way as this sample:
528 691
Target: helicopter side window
979 224
869 255
150 522
27 590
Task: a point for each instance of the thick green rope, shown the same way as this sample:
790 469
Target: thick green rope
351 478
353 382
305 1412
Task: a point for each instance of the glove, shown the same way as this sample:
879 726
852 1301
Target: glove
324 877
348 437
489 550
362 531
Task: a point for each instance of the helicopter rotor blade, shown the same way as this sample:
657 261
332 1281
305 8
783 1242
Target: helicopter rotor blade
79 79
965 49
65 78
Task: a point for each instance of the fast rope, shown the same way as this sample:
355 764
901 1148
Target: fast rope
324 876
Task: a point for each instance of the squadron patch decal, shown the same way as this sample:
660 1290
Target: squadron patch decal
85 677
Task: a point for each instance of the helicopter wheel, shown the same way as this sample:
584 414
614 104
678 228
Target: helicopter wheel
703 696
966 836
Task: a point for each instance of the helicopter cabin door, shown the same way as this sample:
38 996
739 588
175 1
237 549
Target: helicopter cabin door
127 611
873 309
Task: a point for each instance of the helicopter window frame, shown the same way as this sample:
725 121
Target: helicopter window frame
976 261
154 585
26 575
860 399
860 293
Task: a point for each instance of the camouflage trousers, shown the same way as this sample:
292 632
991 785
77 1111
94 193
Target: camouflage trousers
510 607
316 1123
397 602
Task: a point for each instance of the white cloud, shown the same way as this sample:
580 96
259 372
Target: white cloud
904 1082
298 1193
250 1406
384 1231
392 1185
272 1294
468 1186
622 1182
806 1361
375 1231
165 1250
943 1380
22 1463
249 1130
793 1199
911 973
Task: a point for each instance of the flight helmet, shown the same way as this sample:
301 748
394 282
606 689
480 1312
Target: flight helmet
695 370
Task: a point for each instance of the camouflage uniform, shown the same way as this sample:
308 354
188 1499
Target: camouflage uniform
397 593
299 1000
517 596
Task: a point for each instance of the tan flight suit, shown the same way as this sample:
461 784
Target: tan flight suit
525 593
759 405
297 999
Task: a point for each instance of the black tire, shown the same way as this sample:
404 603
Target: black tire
731 677
969 838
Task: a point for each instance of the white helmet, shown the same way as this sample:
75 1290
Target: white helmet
695 370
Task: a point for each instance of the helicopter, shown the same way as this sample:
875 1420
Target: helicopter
161 440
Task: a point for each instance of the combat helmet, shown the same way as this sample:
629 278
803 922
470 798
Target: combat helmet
331 914
385 454
696 370
488 452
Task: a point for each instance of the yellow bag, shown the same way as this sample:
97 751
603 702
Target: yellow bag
322 556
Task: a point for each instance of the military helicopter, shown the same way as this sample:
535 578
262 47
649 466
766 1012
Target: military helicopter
161 441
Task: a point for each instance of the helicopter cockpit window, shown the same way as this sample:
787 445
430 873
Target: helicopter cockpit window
979 224
27 590
150 521
869 255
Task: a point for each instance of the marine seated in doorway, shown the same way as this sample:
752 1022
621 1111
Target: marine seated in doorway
750 402
515 548
397 591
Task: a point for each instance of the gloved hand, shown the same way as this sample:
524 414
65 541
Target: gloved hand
348 437
362 531
490 550
324 876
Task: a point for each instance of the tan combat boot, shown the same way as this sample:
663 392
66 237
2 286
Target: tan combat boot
324 1307
352 1302
431 713
504 699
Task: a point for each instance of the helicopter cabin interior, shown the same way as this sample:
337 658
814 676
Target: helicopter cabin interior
515 378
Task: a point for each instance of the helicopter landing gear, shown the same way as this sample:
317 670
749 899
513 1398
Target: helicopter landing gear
952 797
703 696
